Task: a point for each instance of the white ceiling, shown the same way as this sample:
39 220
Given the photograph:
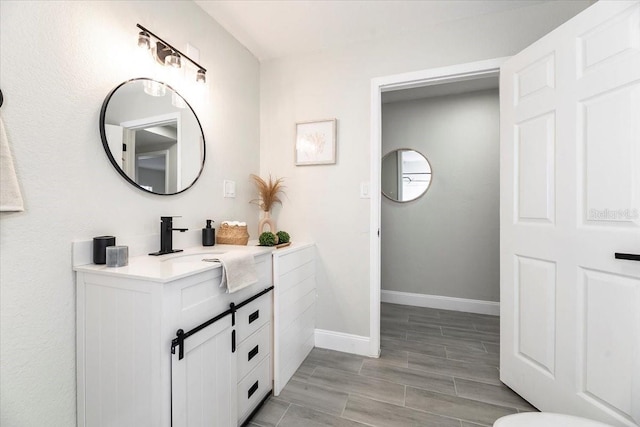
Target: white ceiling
279 28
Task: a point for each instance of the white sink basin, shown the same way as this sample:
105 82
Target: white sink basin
191 257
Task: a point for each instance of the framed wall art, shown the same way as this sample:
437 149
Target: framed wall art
316 143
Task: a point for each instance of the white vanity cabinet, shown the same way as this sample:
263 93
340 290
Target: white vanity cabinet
126 322
295 294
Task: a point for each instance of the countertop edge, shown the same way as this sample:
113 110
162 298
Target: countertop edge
153 269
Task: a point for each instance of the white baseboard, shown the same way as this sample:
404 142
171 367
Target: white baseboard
443 303
339 341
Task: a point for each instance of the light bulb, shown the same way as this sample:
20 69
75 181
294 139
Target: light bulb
173 60
143 40
154 88
201 77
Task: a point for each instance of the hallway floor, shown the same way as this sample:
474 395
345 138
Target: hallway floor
437 368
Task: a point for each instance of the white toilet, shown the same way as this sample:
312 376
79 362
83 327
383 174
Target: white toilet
545 419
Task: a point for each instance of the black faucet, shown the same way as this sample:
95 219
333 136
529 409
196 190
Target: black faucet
166 236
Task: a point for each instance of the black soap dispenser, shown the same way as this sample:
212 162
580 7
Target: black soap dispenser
208 234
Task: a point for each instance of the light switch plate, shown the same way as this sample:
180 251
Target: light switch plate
229 188
364 190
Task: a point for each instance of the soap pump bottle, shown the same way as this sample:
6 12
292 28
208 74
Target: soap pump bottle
208 234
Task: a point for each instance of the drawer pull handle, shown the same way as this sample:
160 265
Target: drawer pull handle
252 390
253 353
630 257
254 316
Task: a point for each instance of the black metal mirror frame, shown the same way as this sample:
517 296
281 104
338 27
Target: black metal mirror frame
105 143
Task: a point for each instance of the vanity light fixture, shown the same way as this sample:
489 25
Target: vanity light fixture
166 54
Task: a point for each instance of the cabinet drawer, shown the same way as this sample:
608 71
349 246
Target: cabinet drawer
253 388
253 316
253 350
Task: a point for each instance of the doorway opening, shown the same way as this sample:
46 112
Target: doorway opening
464 78
153 152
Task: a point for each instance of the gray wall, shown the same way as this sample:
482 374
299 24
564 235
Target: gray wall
323 203
446 242
153 178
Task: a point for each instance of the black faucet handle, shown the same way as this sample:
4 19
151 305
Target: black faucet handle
166 233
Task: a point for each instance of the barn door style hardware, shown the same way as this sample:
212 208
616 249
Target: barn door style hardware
181 335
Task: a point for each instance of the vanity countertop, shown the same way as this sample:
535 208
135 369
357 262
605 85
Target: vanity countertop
165 268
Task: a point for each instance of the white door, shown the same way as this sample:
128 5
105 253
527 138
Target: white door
203 382
570 199
114 138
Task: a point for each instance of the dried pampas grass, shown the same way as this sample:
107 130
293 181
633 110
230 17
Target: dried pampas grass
268 192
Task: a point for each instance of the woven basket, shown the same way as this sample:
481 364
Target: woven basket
232 235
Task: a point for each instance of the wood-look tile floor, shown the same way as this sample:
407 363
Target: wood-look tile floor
437 368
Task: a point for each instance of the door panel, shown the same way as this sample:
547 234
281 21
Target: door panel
536 285
616 38
535 172
611 121
570 199
605 375
536 79
203 382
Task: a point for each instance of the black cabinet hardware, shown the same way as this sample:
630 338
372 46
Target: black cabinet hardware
233 341
253 353
629 257
252 390
181 335
253 298
232 308
254 316
179 341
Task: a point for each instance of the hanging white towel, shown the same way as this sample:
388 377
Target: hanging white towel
238 270
10 196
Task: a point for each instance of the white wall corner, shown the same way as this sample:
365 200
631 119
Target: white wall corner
347 343
441 302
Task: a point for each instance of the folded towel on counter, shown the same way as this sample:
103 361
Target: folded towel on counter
238 270
10 196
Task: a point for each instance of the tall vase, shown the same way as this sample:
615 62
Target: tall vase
267 220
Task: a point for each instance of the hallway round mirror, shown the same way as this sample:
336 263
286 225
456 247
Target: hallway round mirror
152 136
406 175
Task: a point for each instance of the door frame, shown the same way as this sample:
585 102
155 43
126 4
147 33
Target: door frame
159 120
429 77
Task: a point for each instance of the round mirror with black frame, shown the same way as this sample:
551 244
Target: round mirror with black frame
406 175
152 136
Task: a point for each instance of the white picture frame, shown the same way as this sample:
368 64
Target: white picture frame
316 143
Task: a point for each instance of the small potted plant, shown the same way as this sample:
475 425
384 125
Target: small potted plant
268 239
279 239
283 237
